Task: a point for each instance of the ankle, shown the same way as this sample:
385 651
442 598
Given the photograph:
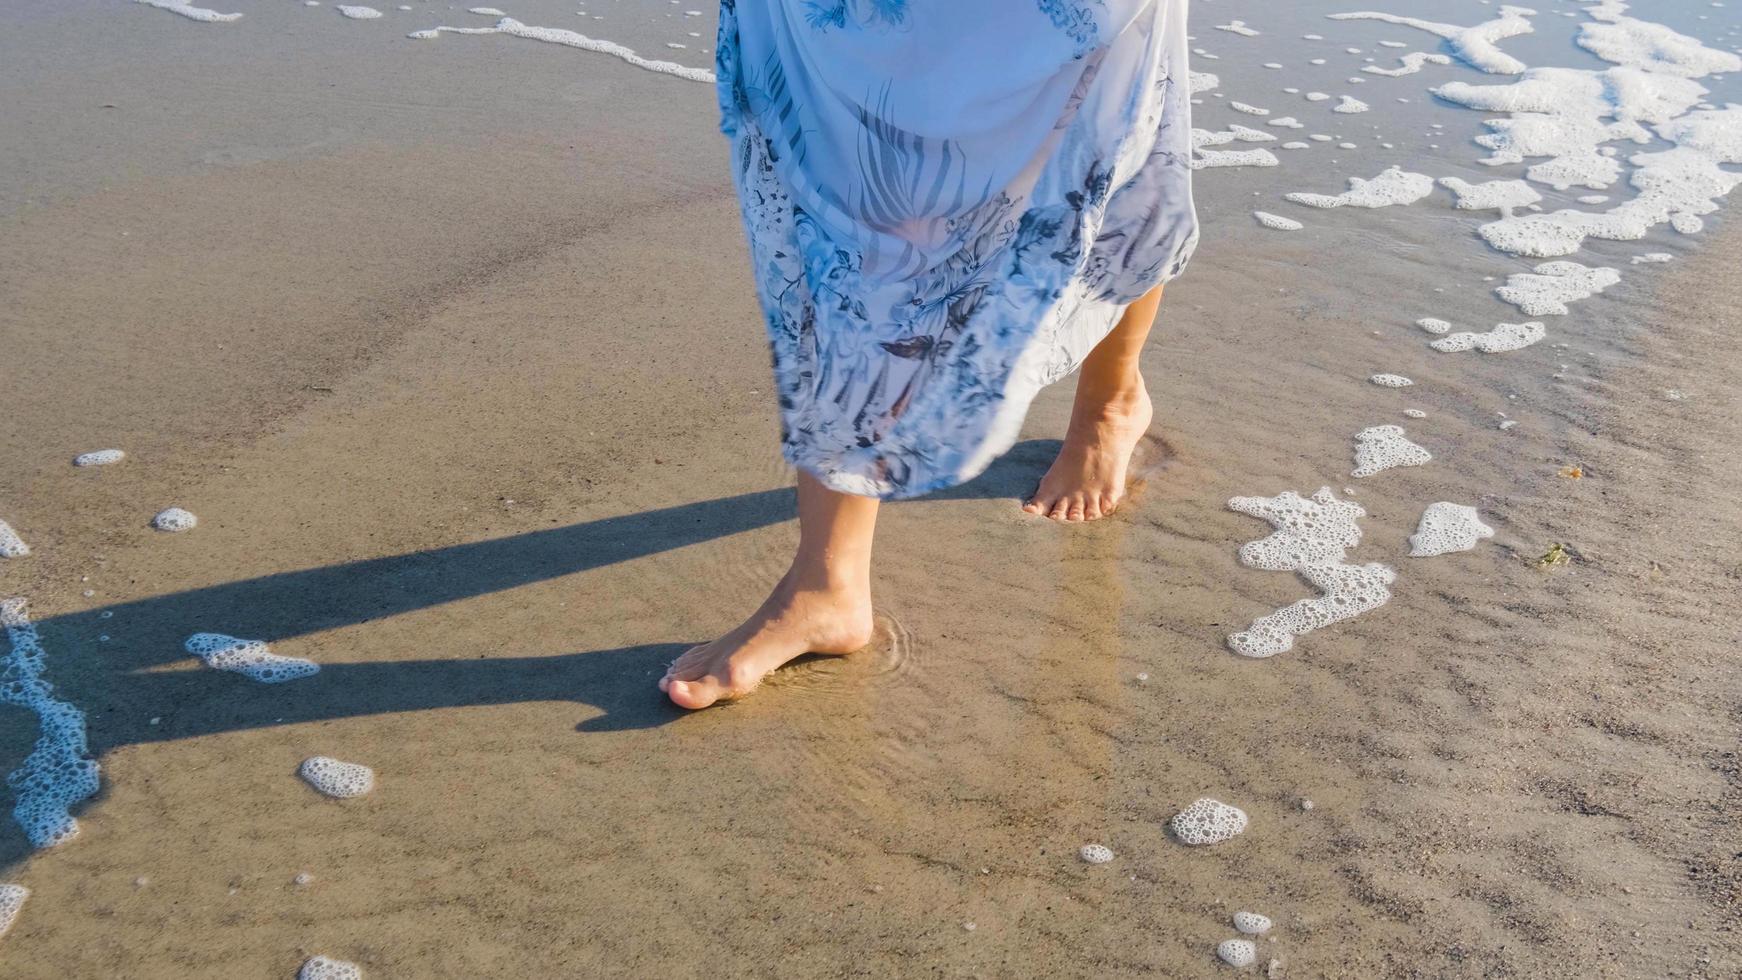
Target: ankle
831 576
1116 395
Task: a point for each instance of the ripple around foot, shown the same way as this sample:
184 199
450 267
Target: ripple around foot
889 659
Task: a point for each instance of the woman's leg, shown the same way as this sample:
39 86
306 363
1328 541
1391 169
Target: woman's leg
1110 415
821 605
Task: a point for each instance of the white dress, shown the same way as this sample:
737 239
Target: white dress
948 203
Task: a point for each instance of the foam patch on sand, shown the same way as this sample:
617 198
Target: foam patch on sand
1250 110
1095 853
341 780
1207 821
1348 105
1251 923
557 35
1652 257
1391 381
1433 324
1565 114
359 13
252 659
100 457
1312 537
326 968
1494 195
11 903
1383 447
59 773
190 11
1548 290
1504 337
11 545
1237 27
1476 46
1654 47
1203 157
1408 64
1203 81
1447 527
1394 186
1237 953
1277 221
174 519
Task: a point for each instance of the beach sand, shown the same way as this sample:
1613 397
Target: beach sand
452 348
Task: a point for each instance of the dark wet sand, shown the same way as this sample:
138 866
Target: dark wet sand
470 397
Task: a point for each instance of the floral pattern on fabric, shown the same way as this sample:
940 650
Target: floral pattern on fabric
926 265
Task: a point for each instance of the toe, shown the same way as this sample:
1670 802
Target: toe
1076 510
1034 506
694 694
1060 509
1109 503
1092 509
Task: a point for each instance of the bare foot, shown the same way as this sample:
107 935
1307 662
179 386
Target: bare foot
1087 480
793 621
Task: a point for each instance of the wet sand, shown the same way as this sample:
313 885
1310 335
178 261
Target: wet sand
453 351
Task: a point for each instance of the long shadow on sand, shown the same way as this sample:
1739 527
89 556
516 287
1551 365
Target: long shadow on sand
115 685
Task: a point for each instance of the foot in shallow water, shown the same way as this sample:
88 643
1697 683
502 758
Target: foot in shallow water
1087 480
793 621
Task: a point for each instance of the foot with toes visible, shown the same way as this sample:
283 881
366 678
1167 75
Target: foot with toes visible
1087 480
795 620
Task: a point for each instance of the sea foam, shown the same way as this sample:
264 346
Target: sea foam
1475 45
190 11
11 545
250 658
341 780
1207 821
1393 186
100 457
59 772
326 968
1311 538
1447 527
11 903
1548 290
174 519
1383 447
1504 337
567 38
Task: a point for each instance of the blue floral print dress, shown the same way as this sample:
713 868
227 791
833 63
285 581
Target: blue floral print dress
948 203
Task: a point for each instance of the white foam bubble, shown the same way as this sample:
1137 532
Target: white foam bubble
11 545
1311 538
1626 41
342 780
1652 257
1494 195
1237 953
1203 81
326 968
1206 159
1476 45
1317 97
1095 853
1286 122
174 519
1447 527
190 11
1251 923
11 903
1548 290
1414 413
1391 381
1296 145
1250 110
571 39
358 13
58 773
1237 27
1382 447
485 11
1246 134
1409 64
1207 821
1349 105
250 658
1433 324
100 457
1504 337
1393 186
1277 221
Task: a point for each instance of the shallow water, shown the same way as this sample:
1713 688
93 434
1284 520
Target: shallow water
449 345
